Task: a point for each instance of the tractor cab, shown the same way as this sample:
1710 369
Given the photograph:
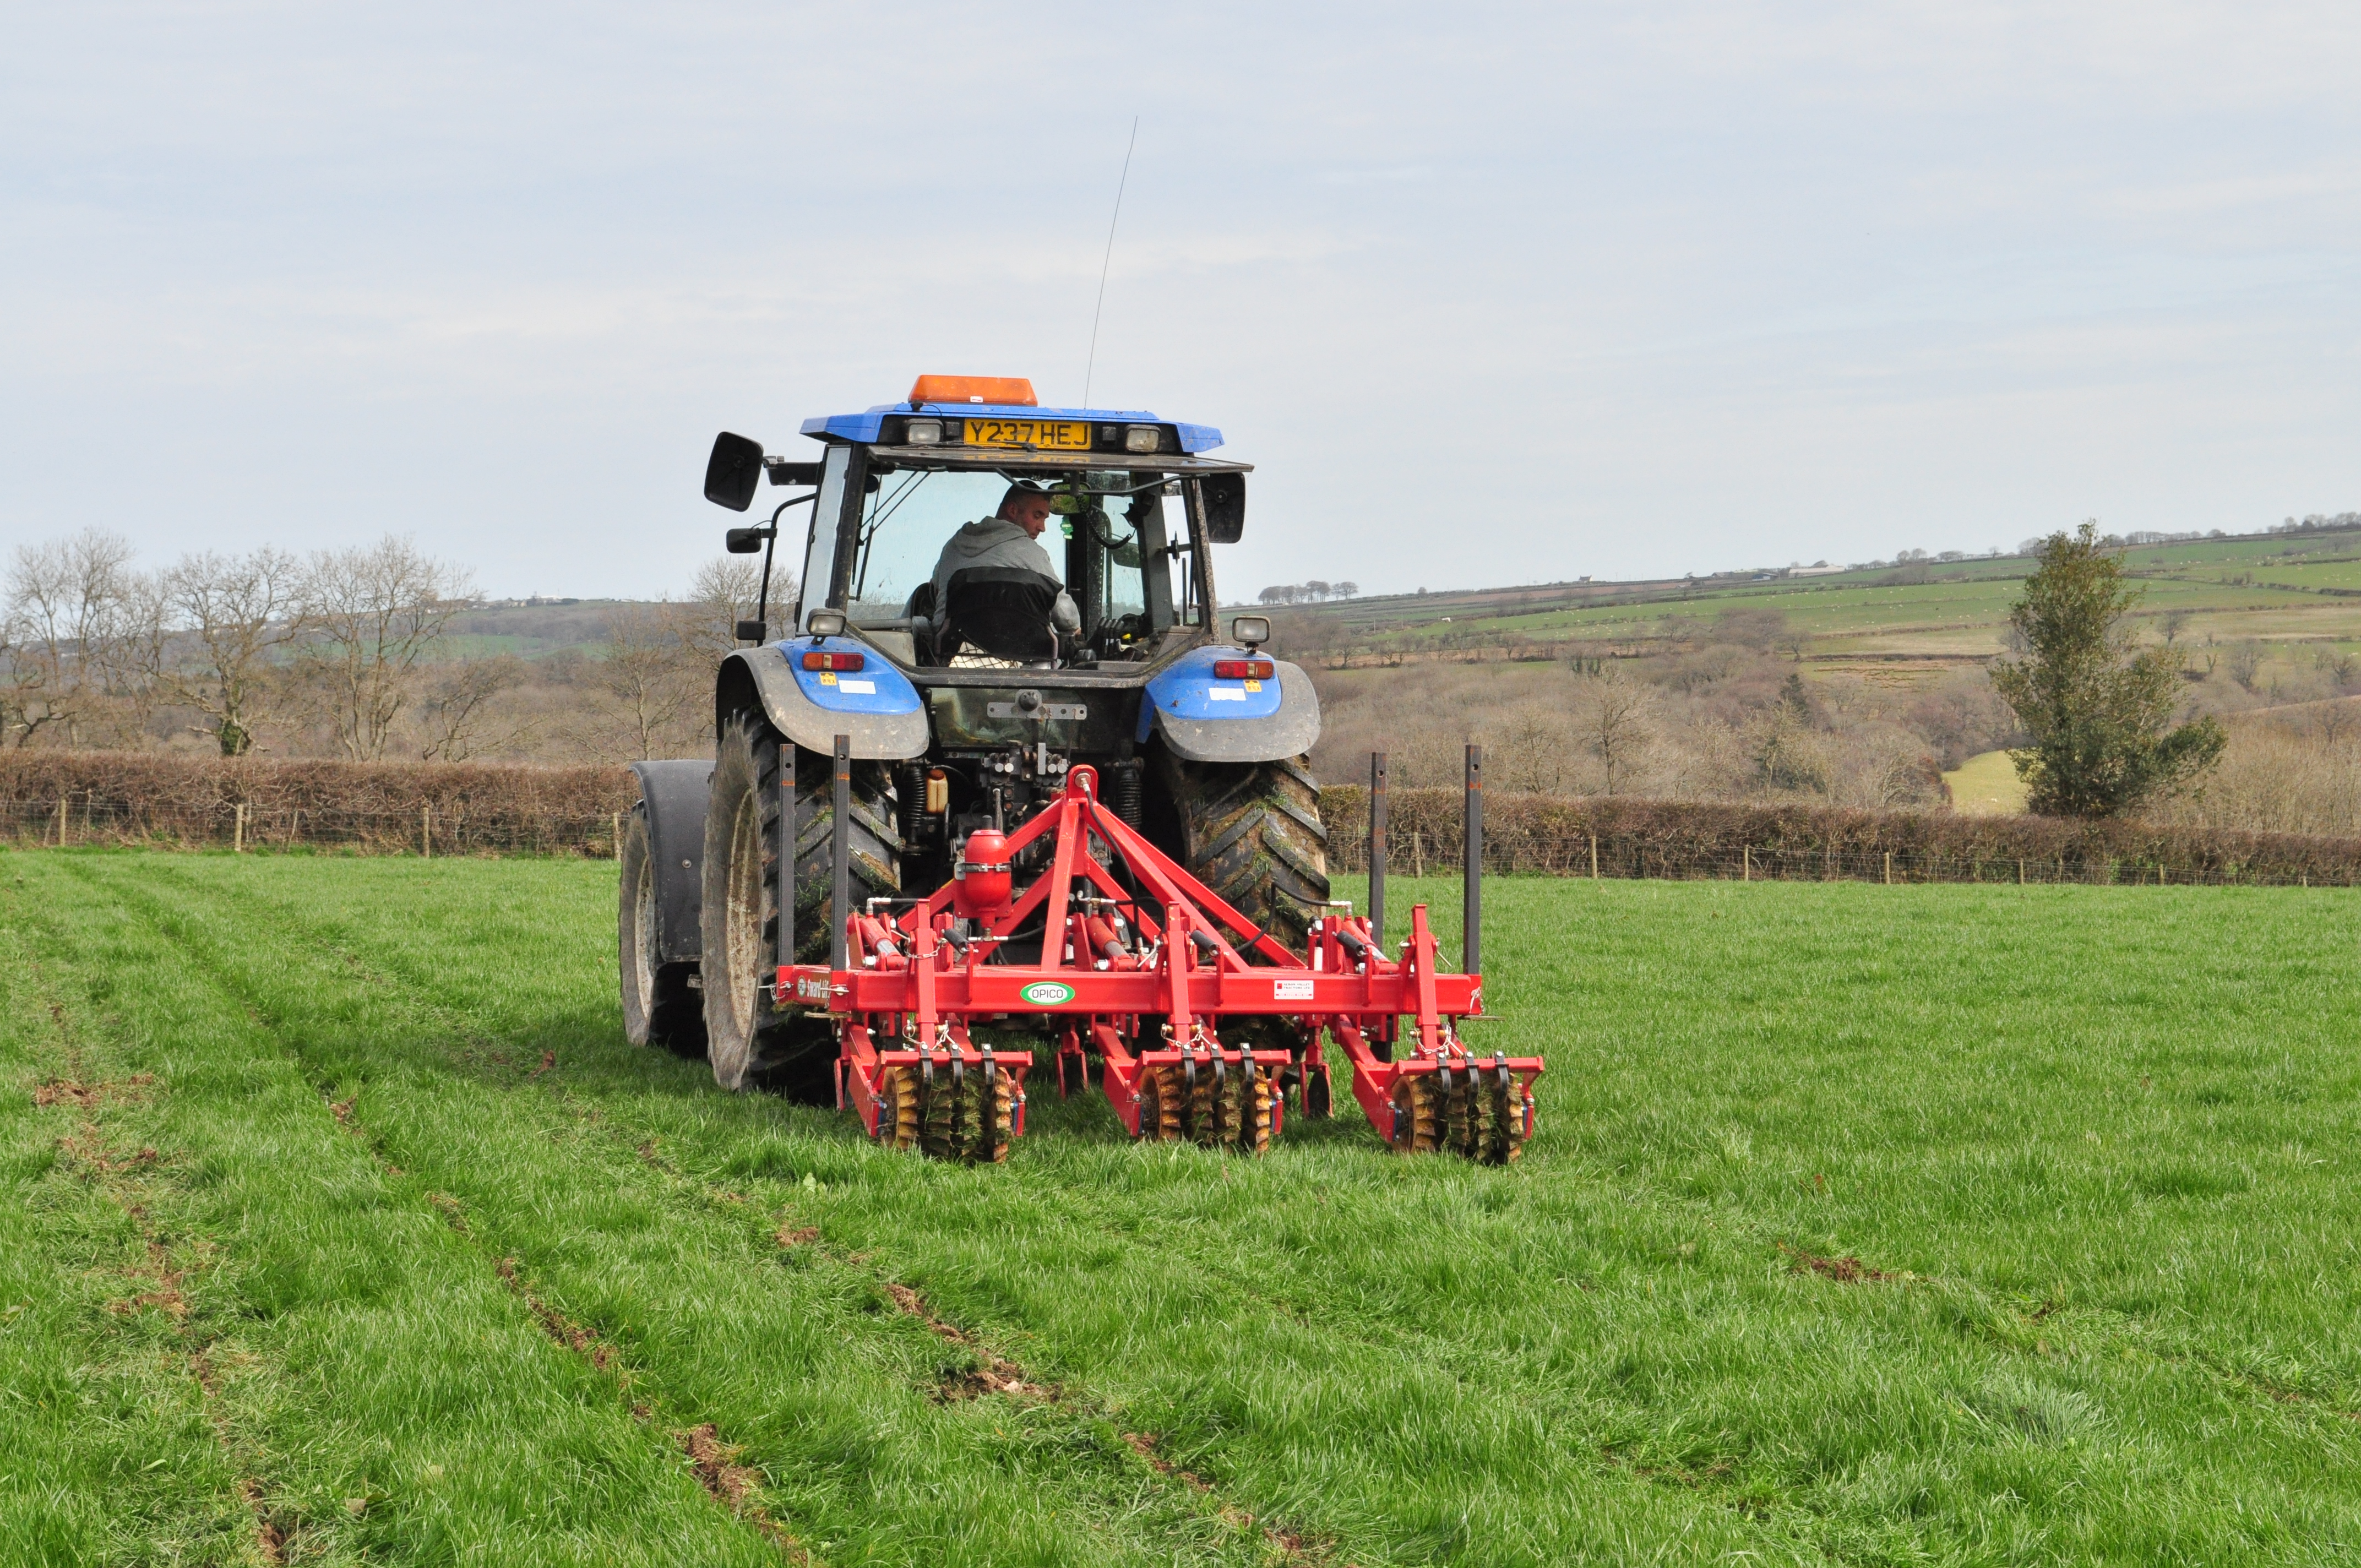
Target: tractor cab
966 529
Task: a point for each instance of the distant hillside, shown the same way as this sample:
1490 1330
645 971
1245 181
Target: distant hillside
2297 585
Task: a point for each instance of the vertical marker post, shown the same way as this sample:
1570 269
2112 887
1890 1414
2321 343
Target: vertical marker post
785 849
1472 878
1378 847
841 854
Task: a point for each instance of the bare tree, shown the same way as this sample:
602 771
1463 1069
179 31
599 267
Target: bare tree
1613 717
66 626
456 707
372 613
723 594
2171 623
234 615
648 684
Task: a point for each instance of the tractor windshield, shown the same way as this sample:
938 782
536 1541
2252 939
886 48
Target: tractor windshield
1100 546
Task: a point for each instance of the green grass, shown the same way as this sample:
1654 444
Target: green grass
451 1267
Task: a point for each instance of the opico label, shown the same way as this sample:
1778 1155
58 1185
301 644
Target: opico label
1292 991
1047 993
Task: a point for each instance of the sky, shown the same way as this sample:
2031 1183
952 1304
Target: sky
1488 293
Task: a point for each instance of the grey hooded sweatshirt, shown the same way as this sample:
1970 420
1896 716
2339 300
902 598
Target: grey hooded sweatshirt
996 541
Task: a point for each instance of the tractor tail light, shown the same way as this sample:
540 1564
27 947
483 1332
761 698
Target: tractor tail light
1237 669
818 660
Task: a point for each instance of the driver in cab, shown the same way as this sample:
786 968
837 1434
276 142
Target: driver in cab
996 590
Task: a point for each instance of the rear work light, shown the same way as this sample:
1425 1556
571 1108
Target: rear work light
923 431
1141 438
1226 669
818 660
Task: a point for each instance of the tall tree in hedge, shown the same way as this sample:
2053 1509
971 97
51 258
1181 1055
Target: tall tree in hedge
2098 707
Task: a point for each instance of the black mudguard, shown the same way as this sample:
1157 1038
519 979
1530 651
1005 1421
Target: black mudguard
674 796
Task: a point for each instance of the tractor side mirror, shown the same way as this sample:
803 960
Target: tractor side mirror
785 472
744 540
733 471
751 632
1226 507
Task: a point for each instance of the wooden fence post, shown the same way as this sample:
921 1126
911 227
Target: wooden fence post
2020 873
615 826
1889 868
237 831
1594 857
426 832
1746 862
61 822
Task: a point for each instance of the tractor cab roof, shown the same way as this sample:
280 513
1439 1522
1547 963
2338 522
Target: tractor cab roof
996 420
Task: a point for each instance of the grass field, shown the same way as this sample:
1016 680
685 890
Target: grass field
1987 784
2266 587
1908 1225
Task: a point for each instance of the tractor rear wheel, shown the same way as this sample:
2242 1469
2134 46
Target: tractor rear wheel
749 1039
745 1031
661 1006
1251 833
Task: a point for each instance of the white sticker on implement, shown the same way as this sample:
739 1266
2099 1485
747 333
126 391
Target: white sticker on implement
858 688
1292 991
1226 693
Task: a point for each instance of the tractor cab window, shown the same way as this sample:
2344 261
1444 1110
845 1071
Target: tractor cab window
1107 550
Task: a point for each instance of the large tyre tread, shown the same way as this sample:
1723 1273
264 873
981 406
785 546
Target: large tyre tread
876 846
1252 833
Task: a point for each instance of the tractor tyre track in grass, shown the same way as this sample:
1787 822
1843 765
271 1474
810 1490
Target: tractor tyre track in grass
1609 1359
149 1345
1084 1496
332 1306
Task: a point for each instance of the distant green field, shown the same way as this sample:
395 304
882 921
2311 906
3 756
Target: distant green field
1873 1225
1959 612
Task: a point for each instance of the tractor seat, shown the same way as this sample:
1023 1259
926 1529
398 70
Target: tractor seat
1000 612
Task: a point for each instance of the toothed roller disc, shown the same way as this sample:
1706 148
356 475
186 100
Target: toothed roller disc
1418 1114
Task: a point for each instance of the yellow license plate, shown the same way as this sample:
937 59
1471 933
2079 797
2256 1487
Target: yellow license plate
1035 435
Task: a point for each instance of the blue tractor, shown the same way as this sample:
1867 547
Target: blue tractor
966 677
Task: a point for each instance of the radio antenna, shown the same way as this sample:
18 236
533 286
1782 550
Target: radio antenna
1108 261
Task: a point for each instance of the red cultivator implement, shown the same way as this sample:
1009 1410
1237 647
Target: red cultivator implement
1118 952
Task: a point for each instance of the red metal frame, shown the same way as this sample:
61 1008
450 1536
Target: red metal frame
1175 951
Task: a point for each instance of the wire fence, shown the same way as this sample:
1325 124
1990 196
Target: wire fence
1625 856
228 825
